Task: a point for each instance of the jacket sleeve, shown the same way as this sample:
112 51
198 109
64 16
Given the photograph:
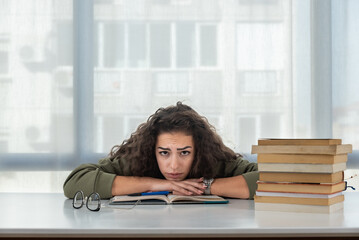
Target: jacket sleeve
249 170
91 178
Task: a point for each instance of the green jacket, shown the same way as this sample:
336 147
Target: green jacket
99 177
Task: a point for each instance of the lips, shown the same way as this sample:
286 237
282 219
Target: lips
174 175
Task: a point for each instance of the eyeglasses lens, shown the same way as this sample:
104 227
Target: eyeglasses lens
78 200
93 202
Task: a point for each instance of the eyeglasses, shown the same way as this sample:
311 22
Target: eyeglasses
93 202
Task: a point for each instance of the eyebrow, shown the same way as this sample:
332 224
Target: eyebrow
178 149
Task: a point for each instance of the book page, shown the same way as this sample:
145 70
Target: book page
201 198
124 198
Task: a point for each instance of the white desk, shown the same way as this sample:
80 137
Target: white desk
52 215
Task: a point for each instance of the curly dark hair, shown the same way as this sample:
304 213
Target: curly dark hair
139 149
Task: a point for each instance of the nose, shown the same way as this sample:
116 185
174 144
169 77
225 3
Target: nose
174 163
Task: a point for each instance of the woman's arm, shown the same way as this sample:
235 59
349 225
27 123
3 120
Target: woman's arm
234 187
98 178
89 178
108 179
123 185
238 179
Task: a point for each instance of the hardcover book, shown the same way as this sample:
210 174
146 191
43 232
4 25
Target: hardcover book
301 168
283 207
318 188
301 177
301 149
300 158
306 199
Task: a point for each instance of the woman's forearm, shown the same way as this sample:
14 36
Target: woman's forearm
234 187
123 185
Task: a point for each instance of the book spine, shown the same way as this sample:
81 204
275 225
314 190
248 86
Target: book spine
305 201
281 207
300 158
301 177
301 188
301 168
296 149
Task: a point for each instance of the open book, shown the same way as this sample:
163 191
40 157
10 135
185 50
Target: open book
165 199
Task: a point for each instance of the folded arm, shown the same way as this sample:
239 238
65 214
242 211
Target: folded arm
108 179
112 177
126 185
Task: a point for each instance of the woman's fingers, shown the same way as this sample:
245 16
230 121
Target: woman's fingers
188 187
200 180
182 191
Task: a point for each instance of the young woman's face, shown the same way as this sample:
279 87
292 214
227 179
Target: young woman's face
174 154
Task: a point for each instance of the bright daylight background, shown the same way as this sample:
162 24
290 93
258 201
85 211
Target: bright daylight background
77 77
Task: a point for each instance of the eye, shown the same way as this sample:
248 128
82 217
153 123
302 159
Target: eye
185 153
163 153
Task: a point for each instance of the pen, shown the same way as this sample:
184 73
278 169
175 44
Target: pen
149 193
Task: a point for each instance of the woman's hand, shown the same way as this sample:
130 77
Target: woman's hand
190 187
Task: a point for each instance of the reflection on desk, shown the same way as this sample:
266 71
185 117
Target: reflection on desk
52 215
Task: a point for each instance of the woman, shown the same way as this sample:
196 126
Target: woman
176 150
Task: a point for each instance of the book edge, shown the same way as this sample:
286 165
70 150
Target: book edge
302 149
282 207
300 141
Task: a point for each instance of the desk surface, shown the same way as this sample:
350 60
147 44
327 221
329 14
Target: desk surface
33 214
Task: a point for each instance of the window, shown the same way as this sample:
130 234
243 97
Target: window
170 45
78 76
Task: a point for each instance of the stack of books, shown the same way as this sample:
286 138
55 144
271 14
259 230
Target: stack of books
301 175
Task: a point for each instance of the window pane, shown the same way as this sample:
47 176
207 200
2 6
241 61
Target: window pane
271 126
258 82
345 72
160 42
65 43
113 45
36 111
171 83
255 53
106 135
247 133
107 81
137 42
208 45
4 62
185 45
